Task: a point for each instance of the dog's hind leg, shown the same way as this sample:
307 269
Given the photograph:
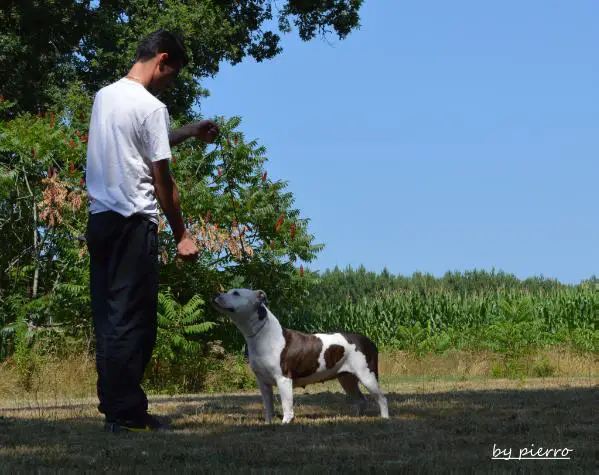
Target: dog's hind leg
349 383
266 392
285 386
368 379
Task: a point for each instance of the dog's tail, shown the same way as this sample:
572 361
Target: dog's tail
366 346
372 358
374 365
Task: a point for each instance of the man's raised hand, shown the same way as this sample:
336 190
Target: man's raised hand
205 130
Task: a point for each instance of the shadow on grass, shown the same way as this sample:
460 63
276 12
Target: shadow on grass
439 432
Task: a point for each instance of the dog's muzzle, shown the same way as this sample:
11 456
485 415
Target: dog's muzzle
219 306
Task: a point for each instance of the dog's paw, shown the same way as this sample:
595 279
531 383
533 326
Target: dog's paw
288 420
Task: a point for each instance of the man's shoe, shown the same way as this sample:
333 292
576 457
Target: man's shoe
146 423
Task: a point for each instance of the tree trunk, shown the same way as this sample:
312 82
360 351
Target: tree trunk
36 272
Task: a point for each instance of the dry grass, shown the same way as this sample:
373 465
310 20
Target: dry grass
444 419
53 382
74 379
434 427
559 362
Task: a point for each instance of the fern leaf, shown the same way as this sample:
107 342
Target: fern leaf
199 328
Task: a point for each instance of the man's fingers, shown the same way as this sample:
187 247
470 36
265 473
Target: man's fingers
188 257
187 251
209 135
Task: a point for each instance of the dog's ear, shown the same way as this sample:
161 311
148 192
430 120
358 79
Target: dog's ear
262 297
262 312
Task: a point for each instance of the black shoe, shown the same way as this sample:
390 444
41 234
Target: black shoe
146 423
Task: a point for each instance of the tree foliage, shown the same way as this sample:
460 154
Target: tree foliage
245 223
54 56
46 45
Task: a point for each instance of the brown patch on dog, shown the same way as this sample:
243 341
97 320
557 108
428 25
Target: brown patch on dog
333 355
365 345
299 358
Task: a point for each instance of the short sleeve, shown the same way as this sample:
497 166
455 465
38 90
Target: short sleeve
154 135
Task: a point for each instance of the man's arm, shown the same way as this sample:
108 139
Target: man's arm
167 194
205 130
176 136
157 149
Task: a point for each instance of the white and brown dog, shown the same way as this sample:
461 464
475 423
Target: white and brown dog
290 358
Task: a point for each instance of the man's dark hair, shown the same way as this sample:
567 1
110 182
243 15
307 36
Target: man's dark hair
162 41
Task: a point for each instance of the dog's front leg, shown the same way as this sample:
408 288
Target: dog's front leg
266 391
285 386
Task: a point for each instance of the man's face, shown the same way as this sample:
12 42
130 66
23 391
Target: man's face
164 74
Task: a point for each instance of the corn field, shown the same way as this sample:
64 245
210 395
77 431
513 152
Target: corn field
434 320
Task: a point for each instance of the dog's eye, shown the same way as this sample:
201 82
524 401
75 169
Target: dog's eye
236 293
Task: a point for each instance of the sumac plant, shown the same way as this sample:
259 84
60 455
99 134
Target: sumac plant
245 224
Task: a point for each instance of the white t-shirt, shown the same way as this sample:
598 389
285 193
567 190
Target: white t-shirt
128 131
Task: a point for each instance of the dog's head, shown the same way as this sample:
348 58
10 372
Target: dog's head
244 306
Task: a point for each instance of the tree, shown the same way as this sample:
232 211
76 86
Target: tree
54 56
44 46
37 45
245 222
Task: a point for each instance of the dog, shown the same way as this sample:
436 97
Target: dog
289 358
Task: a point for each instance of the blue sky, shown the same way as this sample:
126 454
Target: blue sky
440 136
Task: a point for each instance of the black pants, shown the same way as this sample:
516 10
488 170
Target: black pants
124 297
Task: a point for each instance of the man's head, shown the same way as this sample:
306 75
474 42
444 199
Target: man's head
162 55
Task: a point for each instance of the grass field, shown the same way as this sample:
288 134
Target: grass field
438 425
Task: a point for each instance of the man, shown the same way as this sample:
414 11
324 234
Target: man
127 173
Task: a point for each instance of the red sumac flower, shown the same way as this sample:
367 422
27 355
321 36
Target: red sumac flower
292 231
279 222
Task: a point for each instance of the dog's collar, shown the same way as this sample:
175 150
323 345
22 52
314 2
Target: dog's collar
266 320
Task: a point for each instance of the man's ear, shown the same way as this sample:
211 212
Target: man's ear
162 60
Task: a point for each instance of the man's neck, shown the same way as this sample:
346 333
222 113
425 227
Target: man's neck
141 73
